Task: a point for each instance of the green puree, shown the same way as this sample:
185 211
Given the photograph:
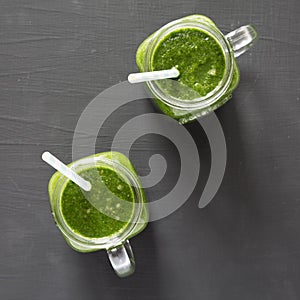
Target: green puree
107 195
198 57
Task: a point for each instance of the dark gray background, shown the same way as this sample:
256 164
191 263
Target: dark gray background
55 57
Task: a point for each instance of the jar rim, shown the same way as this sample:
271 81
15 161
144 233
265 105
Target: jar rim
116 238
218 91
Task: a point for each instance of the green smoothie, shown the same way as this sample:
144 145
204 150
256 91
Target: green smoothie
115 206
96 214
198 57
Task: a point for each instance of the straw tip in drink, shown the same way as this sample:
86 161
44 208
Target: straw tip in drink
88 186
175 71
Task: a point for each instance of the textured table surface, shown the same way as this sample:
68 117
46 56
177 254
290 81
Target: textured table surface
55 57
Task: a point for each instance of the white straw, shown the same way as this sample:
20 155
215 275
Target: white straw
155 75
65 170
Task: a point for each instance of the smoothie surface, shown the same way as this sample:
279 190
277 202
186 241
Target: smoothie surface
105 213
198 57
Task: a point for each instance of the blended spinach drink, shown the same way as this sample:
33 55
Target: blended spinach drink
81 213
205 59
197 56
105 217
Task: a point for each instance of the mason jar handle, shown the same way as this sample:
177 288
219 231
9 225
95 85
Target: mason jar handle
122 259
242 39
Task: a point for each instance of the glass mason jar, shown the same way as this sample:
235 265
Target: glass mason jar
233 45
117 245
